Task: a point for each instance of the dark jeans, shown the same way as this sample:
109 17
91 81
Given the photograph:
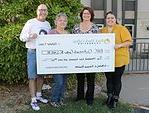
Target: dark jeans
114 83
58 88
90 85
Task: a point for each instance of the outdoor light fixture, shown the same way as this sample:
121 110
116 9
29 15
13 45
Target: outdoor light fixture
147 28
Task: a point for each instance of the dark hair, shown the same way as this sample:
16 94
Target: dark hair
90 11
110 12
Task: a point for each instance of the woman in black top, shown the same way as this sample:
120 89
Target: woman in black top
86 27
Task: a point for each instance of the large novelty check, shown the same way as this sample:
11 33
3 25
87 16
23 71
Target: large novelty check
75 53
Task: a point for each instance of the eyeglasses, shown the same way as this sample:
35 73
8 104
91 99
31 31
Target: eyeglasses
42 9
86 13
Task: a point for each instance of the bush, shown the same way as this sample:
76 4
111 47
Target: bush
12 55
13 14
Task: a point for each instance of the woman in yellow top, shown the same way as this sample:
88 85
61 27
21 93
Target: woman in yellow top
122 42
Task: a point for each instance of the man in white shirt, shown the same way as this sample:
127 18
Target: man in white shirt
31 30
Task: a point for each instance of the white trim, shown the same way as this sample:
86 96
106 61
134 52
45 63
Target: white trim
100 26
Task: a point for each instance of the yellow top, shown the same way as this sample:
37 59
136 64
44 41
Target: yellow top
121 35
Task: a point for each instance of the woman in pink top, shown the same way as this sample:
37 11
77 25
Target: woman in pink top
58 88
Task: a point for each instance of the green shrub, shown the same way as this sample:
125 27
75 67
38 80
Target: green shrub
12 55
13 15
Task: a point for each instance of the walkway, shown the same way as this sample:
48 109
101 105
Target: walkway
135 90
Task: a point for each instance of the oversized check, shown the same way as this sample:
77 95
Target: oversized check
75 53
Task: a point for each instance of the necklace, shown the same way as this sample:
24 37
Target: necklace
110 29
85 27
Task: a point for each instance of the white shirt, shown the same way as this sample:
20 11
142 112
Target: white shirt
33 26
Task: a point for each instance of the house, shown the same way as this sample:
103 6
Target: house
134 14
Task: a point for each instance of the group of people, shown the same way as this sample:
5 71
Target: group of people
39 26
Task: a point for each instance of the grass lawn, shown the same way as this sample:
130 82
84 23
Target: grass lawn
81 107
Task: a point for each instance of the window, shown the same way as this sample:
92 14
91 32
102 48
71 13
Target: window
130 27
130 5
97 4
99 22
